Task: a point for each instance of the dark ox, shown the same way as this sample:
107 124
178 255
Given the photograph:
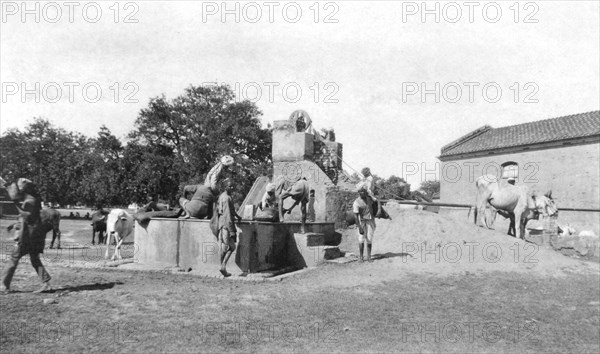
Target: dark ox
50 219
99 225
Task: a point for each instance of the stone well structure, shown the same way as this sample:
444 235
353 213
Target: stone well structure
299 153
190 244
263 246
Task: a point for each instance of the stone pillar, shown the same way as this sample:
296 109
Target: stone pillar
289 145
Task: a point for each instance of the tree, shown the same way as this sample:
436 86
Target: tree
392 188
46 154
175 142
105 176
429 188
199 127
155 174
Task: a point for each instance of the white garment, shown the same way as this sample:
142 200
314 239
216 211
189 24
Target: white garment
369 184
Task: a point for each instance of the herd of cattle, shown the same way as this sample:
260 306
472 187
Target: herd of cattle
516 202
117 223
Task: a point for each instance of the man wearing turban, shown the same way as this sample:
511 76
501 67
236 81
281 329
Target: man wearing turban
364 219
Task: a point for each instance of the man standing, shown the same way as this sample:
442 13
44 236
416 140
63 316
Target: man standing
365 222
299 191
227 229
32 240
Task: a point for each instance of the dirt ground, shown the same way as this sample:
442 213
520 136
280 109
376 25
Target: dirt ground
475 291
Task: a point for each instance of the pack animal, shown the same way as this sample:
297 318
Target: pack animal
50 222
350 220
119 224
99 225
519 202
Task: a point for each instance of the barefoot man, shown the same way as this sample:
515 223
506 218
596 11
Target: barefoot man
365 221
227 230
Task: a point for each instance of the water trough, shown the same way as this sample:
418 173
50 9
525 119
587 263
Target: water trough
262 246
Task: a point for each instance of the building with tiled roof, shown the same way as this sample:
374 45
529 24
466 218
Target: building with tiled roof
559 154
576 128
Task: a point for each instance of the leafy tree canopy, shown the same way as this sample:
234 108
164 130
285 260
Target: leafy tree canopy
173 143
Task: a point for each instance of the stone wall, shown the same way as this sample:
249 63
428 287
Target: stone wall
189 244
338 202
288 145
571 172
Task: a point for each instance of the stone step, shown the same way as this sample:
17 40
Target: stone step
311 239
308 250
332 252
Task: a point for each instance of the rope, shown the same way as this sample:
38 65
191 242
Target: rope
381 188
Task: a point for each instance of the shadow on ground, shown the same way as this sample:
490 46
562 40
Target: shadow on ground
86 287
390 255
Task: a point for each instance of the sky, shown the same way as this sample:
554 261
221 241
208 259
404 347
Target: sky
397 80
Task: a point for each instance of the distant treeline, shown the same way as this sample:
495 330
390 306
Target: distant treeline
173 143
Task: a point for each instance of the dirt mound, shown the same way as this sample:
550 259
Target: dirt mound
422 241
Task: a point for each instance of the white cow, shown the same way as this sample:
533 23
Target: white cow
120 224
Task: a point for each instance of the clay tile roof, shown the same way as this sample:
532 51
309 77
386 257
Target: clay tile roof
555 129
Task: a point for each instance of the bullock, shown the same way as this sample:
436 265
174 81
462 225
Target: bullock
518 201
99 225
119 224
50 219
